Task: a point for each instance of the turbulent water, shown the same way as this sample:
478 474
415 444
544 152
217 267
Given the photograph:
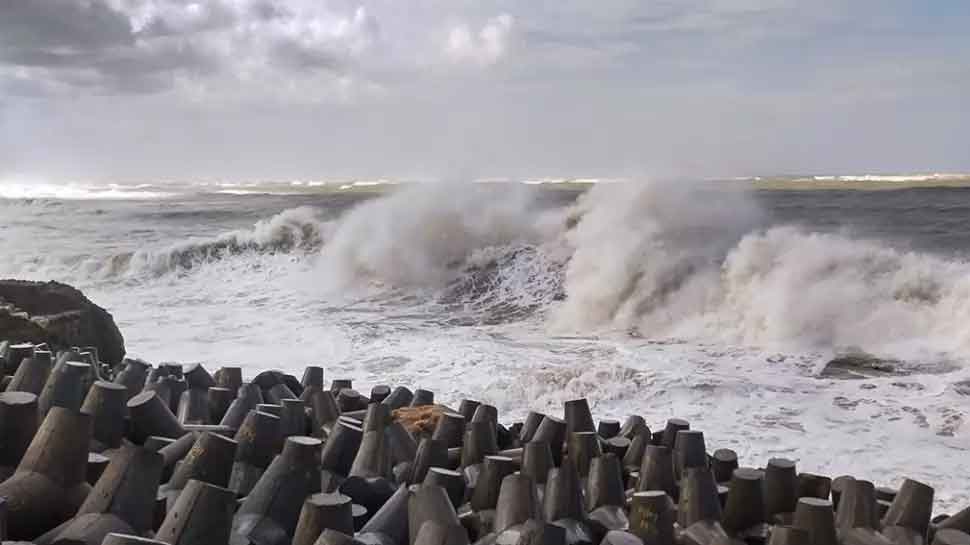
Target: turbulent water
717 305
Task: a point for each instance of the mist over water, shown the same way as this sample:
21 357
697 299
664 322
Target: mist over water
717 305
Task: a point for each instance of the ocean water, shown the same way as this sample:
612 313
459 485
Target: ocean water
720 306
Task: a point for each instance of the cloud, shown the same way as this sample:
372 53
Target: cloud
485 47
139 46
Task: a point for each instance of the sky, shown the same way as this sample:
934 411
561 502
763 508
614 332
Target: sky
153 90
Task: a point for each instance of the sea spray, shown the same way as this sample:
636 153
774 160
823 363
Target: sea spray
676 261
649 253
423 236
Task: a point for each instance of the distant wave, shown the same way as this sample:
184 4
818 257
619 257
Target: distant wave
295 229
9 190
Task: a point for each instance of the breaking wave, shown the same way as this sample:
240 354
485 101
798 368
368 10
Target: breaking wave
661 260
655 260
293 230
17 191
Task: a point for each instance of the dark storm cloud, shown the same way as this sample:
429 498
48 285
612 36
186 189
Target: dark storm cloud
34 30
142 46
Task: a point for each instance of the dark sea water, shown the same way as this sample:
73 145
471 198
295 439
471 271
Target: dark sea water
719 306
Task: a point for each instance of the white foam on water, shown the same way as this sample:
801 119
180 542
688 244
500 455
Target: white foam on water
13 190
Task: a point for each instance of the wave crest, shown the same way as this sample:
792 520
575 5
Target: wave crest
293 230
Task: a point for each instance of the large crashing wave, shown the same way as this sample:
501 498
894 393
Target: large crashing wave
659 259
295 229
686 263
662 260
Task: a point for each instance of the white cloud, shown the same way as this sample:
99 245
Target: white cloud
486 47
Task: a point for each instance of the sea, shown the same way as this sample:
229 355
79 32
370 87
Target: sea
721 305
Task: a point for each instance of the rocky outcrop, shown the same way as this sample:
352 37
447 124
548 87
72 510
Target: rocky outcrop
59 315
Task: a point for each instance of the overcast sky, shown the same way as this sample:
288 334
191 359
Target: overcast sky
254 89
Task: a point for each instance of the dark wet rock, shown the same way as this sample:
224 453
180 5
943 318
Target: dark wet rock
859 365
59 315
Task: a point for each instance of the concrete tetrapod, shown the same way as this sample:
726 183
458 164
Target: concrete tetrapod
479 443
122 501
323 410
132 377
193 407
781 487
811 485
789 535
429 503
723 463
452 481
564 494
219 399
270 512
257 442
669 436
196 377
399 397
322 512
633 459
857 506
817 517
49 484
228 377
379 393
958 521
912 507
517 502
605 485
689 451
537 461
949 536
652 517
608 428
577 417
341 447
210 460
434 533
421 398
450 429
745 505
529 427
486 492
293 418
389 525
367 483
553 431
248 396
32 373
431 453
698 498
106 403
150 416
201 515
633 426
18 425
583 447
605 497
65 387
657 471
